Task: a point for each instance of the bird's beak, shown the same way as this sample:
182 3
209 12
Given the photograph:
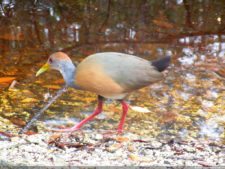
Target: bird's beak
44 68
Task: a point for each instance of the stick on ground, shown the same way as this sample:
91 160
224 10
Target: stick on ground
40 112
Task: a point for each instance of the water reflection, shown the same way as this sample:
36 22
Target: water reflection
187 103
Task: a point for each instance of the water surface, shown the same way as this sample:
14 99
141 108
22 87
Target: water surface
188 103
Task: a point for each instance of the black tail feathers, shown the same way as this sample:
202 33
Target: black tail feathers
161 64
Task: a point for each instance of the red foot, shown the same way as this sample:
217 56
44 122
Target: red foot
74 128
111 132
125 107
97 111
119 131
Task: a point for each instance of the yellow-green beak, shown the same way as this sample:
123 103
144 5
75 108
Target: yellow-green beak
44 68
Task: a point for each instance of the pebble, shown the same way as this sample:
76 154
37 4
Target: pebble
98 136
190 149
130 148
155 144
113 148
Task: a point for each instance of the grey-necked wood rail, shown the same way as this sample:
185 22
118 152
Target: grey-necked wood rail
109 75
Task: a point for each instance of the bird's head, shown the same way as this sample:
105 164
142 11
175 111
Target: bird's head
61 62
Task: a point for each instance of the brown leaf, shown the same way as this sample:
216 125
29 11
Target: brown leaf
140 141
122 139
30 132
221 72
69 145
18 121
53 138
178 151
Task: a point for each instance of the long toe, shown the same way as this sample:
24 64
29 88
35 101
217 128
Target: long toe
120 131
110 133
66 129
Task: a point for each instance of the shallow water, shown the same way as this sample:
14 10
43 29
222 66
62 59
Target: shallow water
188 103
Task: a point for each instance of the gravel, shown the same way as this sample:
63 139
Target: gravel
88 148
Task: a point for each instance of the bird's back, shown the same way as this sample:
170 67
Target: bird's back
113 74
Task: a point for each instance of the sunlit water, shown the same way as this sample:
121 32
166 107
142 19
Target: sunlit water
188 103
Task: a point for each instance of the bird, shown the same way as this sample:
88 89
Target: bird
111 75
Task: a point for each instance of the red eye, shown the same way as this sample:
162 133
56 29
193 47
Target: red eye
50 60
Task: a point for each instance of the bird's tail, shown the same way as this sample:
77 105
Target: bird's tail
161 64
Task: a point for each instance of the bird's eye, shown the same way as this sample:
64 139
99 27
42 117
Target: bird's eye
50 60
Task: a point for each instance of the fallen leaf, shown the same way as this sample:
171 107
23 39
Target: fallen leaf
113 147
6 79
133 157
30 132
18 121
140 141
54 87
59 81
53 138
140 109
178 152
122 139
29 100
63 145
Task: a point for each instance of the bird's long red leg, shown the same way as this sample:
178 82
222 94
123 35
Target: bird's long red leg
125 108
97 111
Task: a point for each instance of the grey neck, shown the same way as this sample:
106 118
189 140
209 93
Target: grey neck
68 73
